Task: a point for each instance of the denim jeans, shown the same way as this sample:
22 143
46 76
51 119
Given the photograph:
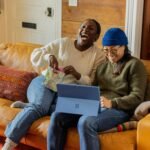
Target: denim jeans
88 128
40 100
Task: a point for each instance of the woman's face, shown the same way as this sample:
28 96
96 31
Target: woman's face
114 53
87 33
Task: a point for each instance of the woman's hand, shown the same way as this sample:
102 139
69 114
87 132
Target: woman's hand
71 70
105 102
53 62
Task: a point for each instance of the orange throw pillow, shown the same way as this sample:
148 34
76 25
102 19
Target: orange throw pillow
14 83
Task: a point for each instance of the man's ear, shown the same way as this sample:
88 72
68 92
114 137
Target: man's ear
96 37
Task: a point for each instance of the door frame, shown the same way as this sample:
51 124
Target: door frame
133 26
58 18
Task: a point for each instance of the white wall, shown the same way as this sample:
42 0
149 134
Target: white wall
134 20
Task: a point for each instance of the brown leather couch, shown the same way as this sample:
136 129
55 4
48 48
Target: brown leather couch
18 56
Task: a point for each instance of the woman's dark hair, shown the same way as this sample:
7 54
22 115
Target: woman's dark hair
126 57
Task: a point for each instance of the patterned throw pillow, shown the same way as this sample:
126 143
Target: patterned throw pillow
14 83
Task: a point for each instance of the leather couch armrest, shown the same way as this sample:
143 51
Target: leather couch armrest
143 134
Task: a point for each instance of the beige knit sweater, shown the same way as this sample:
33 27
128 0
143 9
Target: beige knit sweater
64 50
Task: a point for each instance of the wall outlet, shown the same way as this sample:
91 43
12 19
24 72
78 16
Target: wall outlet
73 2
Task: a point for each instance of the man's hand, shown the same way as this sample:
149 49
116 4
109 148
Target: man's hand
105 102
71 70
53 62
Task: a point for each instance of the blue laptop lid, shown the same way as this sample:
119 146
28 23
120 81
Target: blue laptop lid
78 99
78 91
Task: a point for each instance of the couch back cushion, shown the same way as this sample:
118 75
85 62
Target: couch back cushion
147 65
14 83
17 55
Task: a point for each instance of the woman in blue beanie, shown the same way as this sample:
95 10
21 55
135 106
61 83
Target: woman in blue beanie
120 79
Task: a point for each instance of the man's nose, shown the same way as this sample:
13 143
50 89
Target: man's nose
85 29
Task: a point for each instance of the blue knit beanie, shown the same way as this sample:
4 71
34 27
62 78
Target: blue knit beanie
114 36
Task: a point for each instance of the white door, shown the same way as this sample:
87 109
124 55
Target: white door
2 22
34 21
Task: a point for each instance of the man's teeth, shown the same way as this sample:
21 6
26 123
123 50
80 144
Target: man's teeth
84 36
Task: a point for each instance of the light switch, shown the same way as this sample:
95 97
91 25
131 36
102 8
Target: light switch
73 2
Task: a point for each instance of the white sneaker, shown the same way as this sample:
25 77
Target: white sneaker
9 144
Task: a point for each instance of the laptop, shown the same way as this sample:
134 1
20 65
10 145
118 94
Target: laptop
78 99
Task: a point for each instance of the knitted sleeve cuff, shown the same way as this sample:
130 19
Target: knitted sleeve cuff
114 104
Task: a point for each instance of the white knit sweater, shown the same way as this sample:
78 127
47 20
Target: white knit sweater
84 62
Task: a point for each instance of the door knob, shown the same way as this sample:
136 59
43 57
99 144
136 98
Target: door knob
49 12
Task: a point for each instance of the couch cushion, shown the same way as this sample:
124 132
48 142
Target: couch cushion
109 141
6 113
14 83
17 55
37 133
